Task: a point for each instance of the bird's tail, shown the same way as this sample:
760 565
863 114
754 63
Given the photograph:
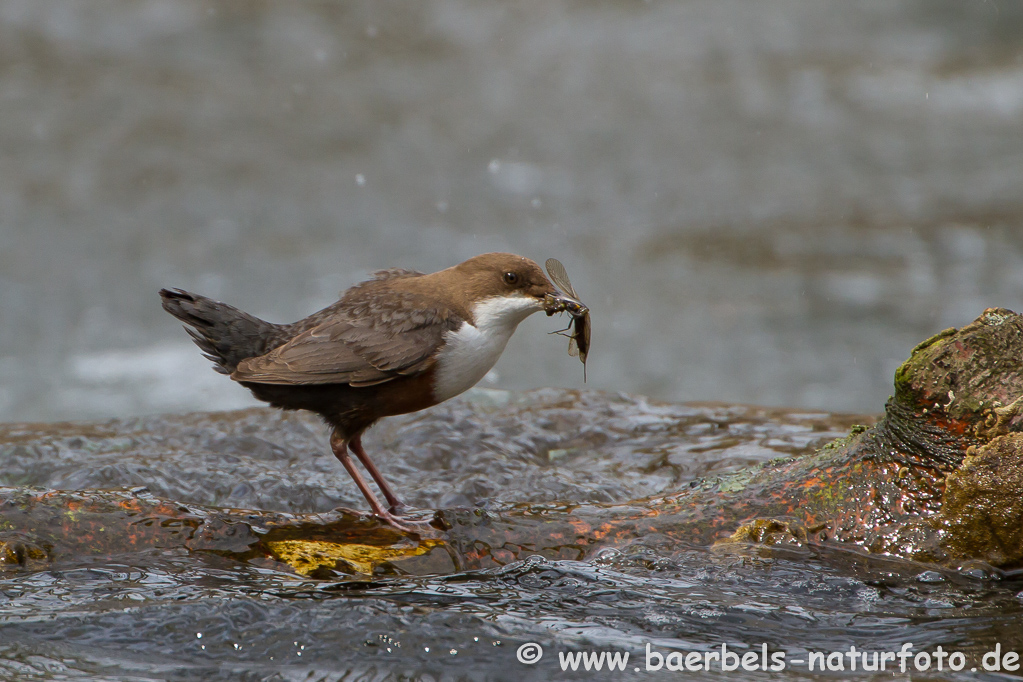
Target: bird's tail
225 334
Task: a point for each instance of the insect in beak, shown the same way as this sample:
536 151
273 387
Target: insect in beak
579 339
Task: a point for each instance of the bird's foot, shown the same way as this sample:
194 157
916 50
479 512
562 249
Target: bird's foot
405 524
394 522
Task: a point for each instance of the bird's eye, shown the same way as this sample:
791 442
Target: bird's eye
511 278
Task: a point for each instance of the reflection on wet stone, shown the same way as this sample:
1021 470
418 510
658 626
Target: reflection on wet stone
525 449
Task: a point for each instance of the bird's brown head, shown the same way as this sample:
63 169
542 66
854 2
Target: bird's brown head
515 285
504 274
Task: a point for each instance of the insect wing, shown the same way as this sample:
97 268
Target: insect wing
581 337
559 276
580 342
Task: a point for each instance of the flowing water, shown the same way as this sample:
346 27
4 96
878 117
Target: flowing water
767 202
143 613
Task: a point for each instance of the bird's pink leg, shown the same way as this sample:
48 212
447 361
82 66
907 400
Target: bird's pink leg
340 448
392 499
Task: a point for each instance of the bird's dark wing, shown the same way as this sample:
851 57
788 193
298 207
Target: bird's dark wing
368 340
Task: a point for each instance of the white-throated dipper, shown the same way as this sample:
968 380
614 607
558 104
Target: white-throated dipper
397 343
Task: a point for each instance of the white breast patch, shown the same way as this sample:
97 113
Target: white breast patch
470 351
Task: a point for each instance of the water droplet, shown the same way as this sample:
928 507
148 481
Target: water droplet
360 180
426 649
453 652
198 635
494 166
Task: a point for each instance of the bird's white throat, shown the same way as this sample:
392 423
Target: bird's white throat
471 350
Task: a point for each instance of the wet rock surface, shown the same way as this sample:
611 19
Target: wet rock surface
982 515
500 468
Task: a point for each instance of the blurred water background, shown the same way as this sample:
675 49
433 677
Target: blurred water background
766 202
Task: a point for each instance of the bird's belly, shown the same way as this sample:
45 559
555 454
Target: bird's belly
466 357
